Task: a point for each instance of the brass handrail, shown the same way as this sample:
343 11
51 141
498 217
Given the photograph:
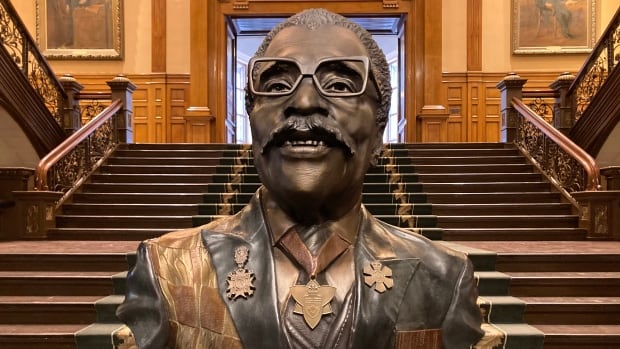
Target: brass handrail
71 143
583 158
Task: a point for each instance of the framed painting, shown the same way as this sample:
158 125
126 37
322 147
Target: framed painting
553 26
80 29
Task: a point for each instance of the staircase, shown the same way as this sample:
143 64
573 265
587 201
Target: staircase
532 263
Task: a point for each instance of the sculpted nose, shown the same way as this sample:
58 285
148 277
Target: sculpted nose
306 99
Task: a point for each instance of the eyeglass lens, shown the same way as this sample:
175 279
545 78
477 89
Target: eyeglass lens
334 77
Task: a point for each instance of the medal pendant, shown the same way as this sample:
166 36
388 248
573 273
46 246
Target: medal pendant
240 280
313 301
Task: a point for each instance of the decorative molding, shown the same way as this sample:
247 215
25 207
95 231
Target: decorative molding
241 4
390 3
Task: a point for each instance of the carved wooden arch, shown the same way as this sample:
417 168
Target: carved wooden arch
207 95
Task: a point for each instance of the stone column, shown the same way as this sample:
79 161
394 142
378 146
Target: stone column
511 86
564 108
122 88
72 119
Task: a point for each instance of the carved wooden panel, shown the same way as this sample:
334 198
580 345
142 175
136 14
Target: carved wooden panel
159 105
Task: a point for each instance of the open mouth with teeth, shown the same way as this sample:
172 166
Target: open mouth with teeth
312 141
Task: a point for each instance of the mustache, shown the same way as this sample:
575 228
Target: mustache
314 127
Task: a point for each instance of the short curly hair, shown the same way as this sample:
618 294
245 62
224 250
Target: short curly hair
315 18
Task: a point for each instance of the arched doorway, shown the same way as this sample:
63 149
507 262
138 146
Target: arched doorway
421 45
246 34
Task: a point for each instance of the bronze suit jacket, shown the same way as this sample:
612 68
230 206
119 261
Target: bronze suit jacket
176 293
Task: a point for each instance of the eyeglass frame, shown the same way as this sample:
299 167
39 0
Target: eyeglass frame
308 73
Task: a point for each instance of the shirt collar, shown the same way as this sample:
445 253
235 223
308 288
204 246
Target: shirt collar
279 222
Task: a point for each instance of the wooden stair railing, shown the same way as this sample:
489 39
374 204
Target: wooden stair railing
559 157
22 48
573 171
29 91
67 166
603 59
596 90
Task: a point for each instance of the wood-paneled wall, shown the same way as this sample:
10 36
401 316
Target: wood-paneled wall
472 101
159 106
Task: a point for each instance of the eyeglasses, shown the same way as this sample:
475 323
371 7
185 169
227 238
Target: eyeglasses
333 76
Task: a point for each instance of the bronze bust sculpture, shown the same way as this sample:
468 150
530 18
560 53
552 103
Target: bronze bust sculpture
304 265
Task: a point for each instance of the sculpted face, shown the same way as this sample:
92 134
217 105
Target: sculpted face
314 120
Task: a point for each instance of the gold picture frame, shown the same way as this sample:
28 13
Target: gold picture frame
553 26
80 29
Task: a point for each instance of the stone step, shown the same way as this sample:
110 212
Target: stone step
572 310
449 146
375 209
581 336
467 160
130 209
159 169
139 198
368 187
367 198
145 187
405 221
564 284
39 336
502 209
382 161
58 283
507 221
48 309
492 283
465 168
486 187
459 152
112 221
501 309
183 146
50 255
552 256
514 234
478 177
151 178
164 161
492 198
183 153
117 234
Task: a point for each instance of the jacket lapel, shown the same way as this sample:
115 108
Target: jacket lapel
376 313
255 318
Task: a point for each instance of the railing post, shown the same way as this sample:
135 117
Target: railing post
511 86
564 108
600 213
72 120
122 88
12 179
36 212
612 177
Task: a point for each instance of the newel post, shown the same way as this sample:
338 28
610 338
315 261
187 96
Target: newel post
511 86
72 120
564 108
122 88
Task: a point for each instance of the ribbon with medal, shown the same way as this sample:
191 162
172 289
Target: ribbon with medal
313 299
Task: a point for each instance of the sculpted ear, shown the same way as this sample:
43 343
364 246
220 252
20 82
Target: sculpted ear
377 148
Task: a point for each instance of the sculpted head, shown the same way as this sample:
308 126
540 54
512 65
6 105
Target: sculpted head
318 97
